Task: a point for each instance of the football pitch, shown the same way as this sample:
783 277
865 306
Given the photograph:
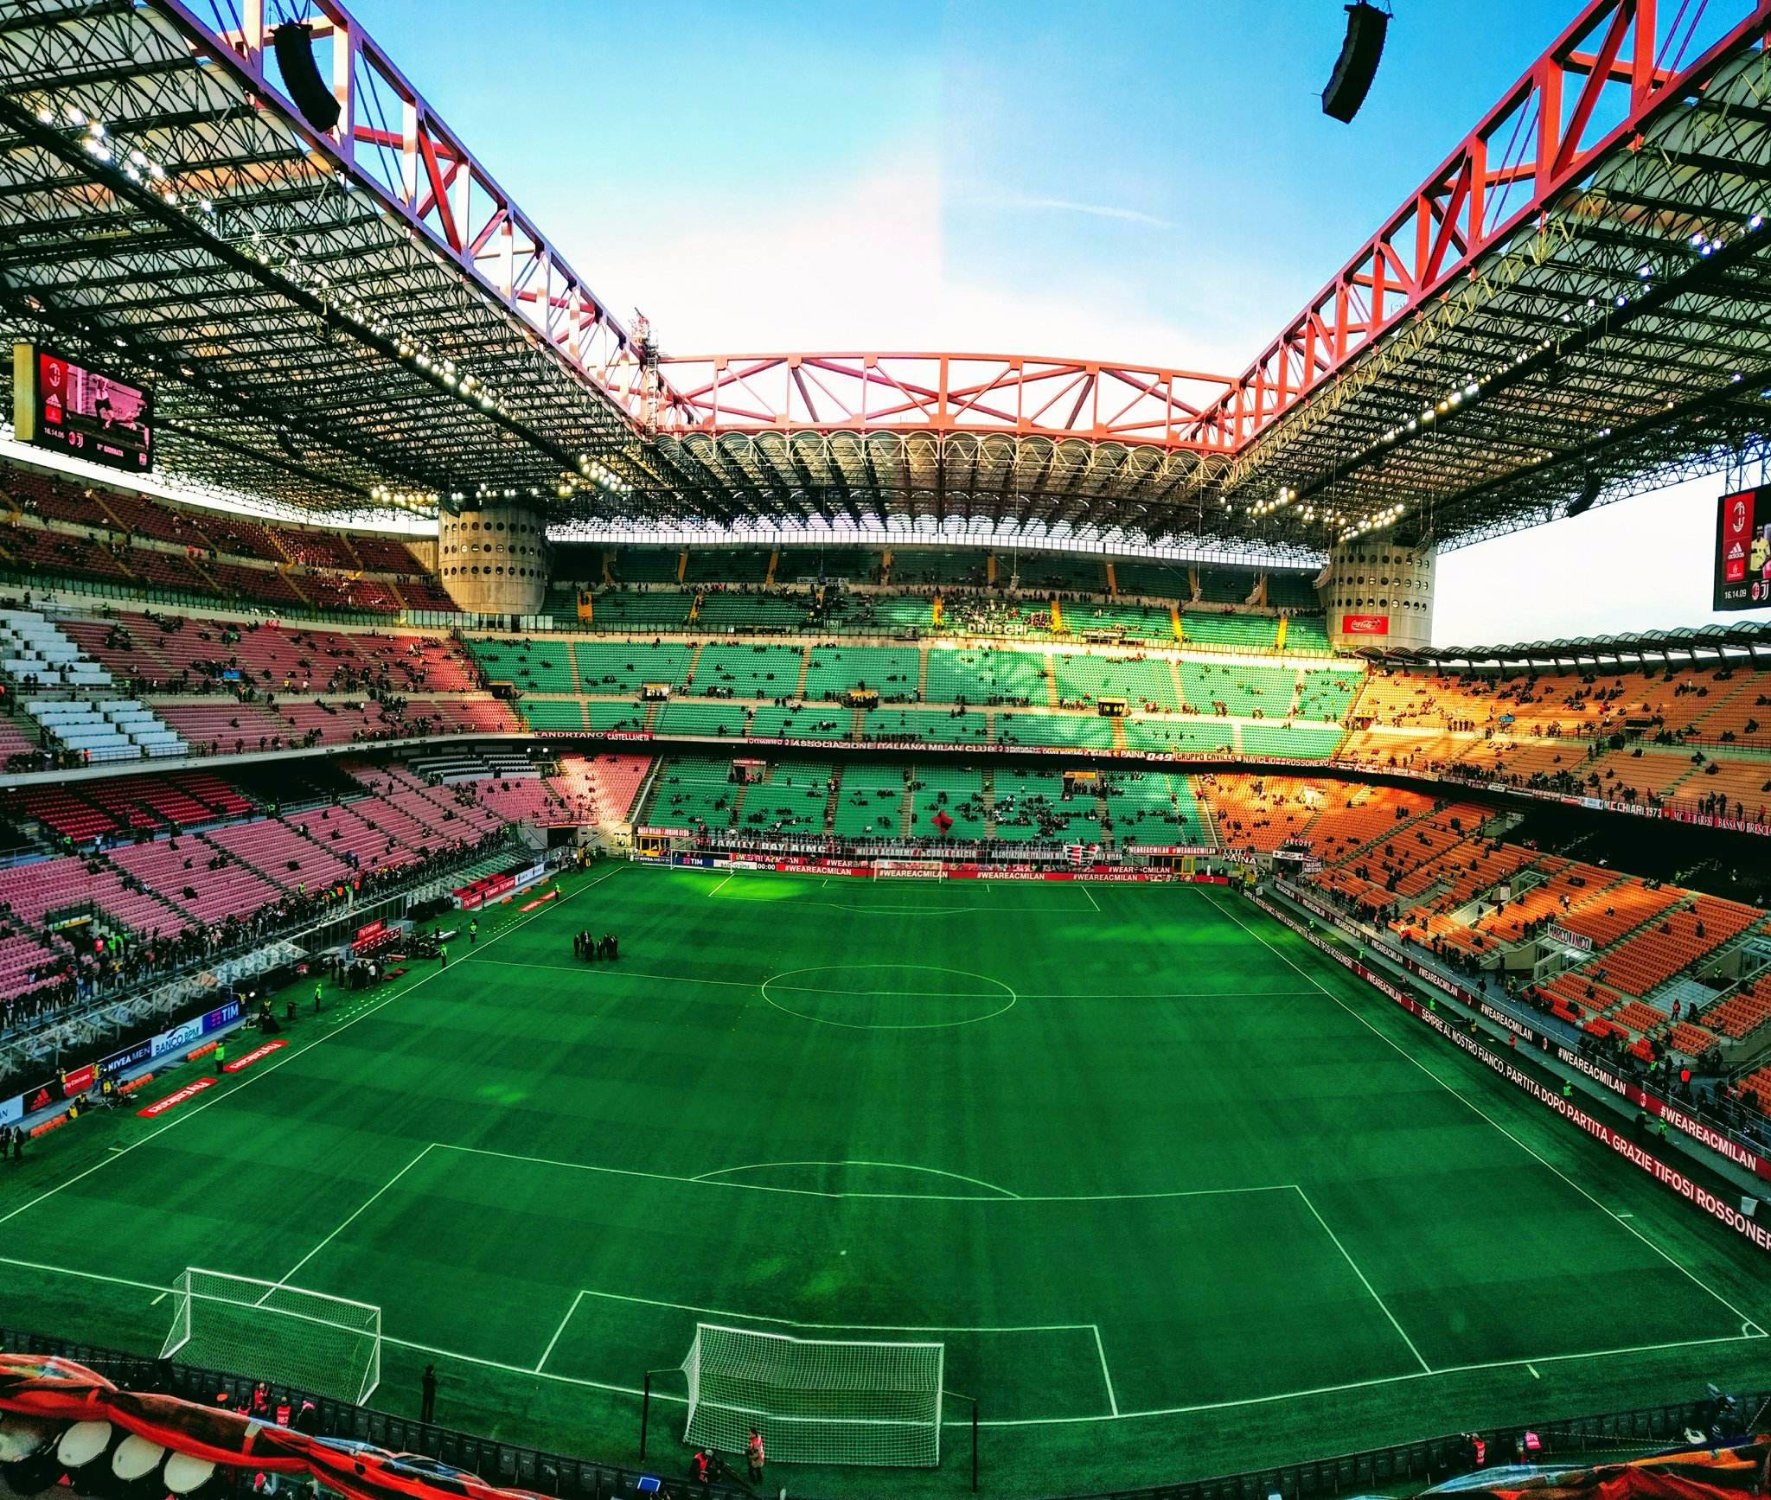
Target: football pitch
1178 1195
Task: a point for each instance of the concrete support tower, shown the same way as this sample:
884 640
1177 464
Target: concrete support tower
493 560
1378 594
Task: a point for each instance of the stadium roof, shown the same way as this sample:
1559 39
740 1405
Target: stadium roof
1711 644
1570 309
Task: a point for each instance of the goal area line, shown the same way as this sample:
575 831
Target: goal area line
155 1289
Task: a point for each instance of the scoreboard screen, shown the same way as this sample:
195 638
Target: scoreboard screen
1743 551
80 410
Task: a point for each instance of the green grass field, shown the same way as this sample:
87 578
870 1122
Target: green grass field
1179 1196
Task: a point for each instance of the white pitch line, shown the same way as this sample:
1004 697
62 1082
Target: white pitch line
748 984
557 1332
624 1390
720 887
1106 1374
1365 1281
710 1181
750 1317
901 1166
360 1210
1091 898
282 1059
1475 1109
1534 1374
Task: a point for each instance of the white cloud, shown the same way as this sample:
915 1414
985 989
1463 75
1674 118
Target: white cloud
865 265
1069 206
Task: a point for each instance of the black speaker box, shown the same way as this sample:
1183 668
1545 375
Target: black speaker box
293 43
1360 53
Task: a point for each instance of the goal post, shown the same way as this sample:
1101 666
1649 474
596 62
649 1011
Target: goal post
308 1340
815 1401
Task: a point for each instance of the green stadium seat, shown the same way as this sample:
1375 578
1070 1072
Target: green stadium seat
640 610
1244 691
1180 734
1156 807
535 666
931 725
1328 694
1147 622
727 565
690 790
749 671
891 671
1086 679
606 667
1154 580
985 676
1290 742
1306 633
554 715
1029 807
734 610
869 801
804 721
1227 628
923 565
793 798
1077 730
646 564
616 716
956 791
702 716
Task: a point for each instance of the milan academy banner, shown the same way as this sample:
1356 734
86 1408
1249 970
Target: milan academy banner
1721 1209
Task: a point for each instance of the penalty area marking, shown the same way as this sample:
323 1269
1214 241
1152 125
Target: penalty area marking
1170 1411
1106 1374
1364 1281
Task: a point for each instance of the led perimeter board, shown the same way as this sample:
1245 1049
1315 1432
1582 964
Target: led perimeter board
76 409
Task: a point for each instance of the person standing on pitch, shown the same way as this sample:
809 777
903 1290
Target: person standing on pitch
319 994
473 931
427 1411
221 1057
753 1451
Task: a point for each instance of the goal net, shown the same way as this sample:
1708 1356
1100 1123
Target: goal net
243 1326
815 1401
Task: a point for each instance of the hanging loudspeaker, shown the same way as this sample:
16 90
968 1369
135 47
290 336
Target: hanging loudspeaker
1360 52
294 45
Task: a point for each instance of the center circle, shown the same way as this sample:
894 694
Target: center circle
888 997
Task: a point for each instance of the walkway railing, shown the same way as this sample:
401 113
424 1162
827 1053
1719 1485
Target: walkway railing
1606 1436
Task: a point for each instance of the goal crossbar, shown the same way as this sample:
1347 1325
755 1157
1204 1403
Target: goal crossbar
244 1325
833 1401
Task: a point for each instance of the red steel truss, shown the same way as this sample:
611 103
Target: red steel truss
1574 300
1589 94
389 136
943 393
1618 64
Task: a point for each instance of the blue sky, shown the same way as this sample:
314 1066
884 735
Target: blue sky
1137 181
